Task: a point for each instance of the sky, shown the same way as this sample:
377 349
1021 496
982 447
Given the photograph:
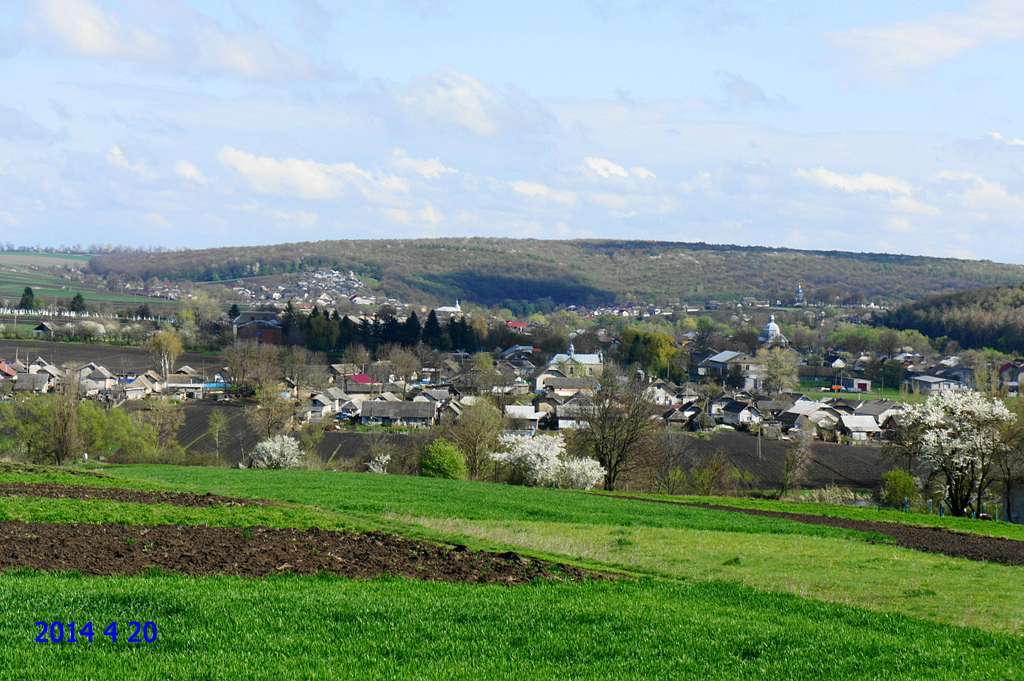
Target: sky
868 126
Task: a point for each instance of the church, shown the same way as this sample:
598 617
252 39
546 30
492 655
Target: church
771 335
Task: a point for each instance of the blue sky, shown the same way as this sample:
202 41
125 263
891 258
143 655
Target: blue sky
877 126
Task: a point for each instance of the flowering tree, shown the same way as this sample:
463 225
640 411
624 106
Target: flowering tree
542 461
279 451
958 435
378 463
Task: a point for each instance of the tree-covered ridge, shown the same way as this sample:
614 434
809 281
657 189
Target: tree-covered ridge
985 318
504 271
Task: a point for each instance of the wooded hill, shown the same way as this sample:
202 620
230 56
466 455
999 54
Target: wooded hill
537 272
983 318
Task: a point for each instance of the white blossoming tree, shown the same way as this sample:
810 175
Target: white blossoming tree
957 434
279 451
541 461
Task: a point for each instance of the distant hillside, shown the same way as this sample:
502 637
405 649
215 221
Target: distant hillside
984 318
495 271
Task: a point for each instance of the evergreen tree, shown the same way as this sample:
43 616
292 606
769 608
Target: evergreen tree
28 299
432 334
411 331
77 303
233 311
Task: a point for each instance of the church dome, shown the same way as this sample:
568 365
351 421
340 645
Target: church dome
771 333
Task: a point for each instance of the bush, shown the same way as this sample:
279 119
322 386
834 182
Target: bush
898 485
279 451
541 460
442 459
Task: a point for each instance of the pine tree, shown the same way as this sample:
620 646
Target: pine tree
77 303
234 311
28 299
432 334
411 330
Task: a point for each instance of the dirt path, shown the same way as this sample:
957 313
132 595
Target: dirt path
919 538
55 491
257 552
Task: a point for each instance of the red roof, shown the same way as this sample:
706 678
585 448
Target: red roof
6 370
516 325
362 379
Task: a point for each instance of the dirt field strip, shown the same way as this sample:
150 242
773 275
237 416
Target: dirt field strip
916 537
258 552
56 491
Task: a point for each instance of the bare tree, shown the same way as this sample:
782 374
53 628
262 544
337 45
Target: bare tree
166 346
795 464
271 414
476 434
618 425
216 428
67 438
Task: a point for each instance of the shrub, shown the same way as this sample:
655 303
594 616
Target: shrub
442 459
898 485
541 460
279 451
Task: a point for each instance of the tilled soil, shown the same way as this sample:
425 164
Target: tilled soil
932 539
258 552
55 491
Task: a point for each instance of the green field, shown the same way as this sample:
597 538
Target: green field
18 270
707 594
813 390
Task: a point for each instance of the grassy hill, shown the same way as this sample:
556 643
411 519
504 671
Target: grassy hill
496 271
985 318
708 594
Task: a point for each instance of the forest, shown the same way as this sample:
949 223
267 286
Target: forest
519 274
984 318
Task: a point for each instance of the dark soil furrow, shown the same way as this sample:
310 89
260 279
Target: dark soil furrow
930 539
55 491
258 552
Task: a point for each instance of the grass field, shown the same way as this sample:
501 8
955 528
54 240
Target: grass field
18 270
813 390
711 595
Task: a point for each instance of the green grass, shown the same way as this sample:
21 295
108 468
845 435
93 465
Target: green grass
316 627
983 527
42 510
813 390
715 594
658 539
374 497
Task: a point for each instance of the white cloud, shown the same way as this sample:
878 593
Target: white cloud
604 168
983 195
456 98
189 171
84 28
536 190
309 179
170 33
430 168
941 36
117 158
1009 141
302 218
853 184
642 173
426 215
906 204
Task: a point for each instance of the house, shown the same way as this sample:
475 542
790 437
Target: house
185 386
573 413
139 388
45 329
7 372
740 414
858 428
419 414
570 386
663 393
517 327
855 384
259 326
729 362
926 385
94 379
882 411
40 382
523 417
571 365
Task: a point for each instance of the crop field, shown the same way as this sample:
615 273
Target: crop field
303 574
38 270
